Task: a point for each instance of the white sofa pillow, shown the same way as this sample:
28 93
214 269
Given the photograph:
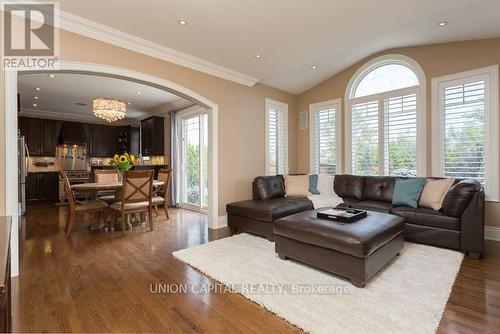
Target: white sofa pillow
320 201
325 185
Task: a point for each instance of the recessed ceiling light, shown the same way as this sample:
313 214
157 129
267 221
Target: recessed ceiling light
128 103
38 88
258 56
443 23
138 92
35 97
314 67
51 75
35 105
182 22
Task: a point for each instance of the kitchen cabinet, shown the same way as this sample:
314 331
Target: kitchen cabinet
50 131
135 140
98 143
32 131
123 139
40 135
153 136
102 140
32 187
106 141
42 186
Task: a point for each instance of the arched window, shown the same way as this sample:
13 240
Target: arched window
385 118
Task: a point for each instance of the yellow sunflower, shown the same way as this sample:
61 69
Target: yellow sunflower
116 157
123 158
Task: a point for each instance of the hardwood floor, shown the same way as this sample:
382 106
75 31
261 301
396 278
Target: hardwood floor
97 282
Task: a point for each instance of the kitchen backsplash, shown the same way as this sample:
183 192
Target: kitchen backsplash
47 164
42 164
154 160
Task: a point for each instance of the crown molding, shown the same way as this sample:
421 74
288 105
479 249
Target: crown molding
100 32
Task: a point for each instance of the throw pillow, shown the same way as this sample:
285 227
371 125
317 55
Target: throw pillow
407 191
320 201
325 184
267 187
434 192
297 185
313 184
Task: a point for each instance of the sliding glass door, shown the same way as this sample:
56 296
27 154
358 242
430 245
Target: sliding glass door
193 156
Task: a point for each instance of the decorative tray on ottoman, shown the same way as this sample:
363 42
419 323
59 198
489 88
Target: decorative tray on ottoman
342 215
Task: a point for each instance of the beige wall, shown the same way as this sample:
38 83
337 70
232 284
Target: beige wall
241 108
436 60
241 112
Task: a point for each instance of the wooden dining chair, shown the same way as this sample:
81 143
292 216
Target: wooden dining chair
106 176
136 196
75 208
162 195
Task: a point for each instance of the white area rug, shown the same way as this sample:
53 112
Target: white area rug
407 296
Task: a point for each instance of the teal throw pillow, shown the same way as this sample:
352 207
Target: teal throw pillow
407 191
313 184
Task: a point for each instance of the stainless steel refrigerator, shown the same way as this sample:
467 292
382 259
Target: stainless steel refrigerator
23 156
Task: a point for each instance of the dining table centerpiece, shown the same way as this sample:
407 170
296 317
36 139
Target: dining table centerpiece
122 163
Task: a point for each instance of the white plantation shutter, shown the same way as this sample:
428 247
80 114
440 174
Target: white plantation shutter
276 138
364 138
387 118
324 139
465 125
400 135
464 130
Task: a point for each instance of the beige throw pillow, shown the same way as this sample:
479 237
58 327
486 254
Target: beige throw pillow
434 192
297 185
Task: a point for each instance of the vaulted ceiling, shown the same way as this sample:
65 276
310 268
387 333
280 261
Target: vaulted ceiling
291 36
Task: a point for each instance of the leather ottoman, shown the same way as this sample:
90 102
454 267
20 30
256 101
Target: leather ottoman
355 250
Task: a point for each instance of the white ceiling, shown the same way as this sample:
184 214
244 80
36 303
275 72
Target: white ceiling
292 35
60 94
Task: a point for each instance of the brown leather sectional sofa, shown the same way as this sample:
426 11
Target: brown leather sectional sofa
458 225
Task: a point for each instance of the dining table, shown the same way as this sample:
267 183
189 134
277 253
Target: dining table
98 186
94 187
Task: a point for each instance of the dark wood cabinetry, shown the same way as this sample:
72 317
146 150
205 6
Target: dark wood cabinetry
102 140
106 141
50 131
135 140
153 136
40 135
99 143
33 135
42 186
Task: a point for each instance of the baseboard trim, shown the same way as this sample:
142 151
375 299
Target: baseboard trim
222 221
492 233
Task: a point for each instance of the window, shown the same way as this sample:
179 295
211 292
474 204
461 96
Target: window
466 127
385 118
324 134
276 137
385 79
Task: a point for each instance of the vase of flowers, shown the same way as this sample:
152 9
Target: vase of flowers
122 163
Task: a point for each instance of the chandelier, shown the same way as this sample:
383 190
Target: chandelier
109 109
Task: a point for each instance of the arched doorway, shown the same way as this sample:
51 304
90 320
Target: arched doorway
11 163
